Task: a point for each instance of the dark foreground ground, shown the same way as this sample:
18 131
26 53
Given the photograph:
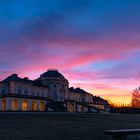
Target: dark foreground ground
26 126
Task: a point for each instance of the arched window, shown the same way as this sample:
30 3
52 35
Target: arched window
82 109
41 106
71 107
14 105
24 105
3 104
34 106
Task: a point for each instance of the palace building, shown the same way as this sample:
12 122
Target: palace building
49 92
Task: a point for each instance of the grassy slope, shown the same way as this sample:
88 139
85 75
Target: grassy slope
63 126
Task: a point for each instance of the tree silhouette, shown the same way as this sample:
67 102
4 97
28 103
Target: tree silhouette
136 98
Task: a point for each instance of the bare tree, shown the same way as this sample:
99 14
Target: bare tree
136 98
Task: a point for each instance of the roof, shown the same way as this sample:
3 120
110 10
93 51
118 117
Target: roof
52 73
14 77
77 90
99 100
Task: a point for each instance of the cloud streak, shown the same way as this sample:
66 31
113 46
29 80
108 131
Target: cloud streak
96 44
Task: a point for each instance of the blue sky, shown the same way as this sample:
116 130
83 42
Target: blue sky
91 41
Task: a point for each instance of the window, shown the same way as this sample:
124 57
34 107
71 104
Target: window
24 105
32 93
3 91
63 86
38 94
62 90
25 92
14 104
3 105
41 106
19 91
34 106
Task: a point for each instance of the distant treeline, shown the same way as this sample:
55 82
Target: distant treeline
126 110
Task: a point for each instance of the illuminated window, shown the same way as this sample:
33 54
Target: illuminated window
41 106
24 105
3 105
70 107
34 106
82 109
14 104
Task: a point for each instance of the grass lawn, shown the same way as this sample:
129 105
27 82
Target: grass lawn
63 126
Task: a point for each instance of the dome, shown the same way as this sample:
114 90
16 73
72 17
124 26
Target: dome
52 73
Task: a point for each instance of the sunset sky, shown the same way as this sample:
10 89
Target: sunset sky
94 43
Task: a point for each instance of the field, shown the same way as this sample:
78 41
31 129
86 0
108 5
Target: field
48 126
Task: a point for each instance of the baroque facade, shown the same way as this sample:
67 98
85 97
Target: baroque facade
49 92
